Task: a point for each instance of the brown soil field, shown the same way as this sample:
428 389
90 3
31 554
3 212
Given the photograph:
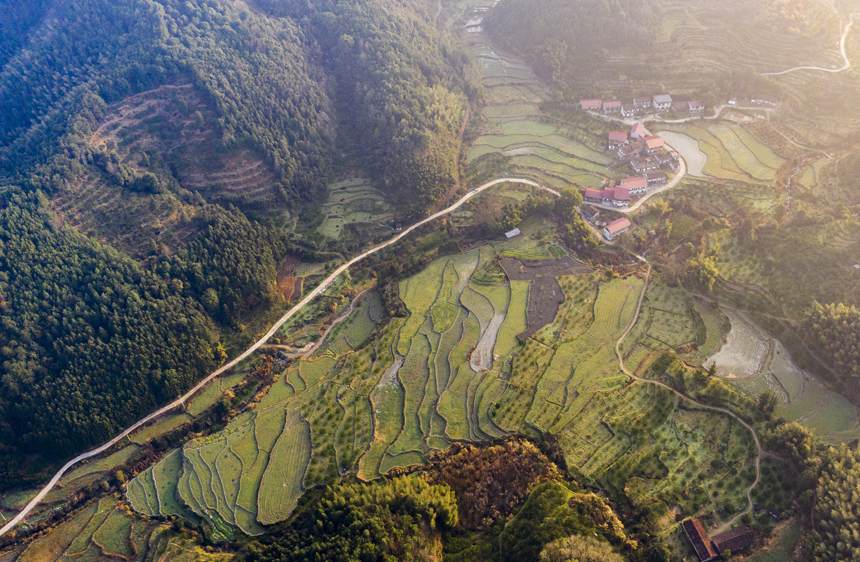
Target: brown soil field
520 270
289 285
545 296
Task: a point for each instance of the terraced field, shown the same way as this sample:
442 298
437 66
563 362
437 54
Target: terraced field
364 408
560 154
355 202
732 152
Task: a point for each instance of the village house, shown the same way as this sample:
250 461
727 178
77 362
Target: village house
617 139
653 144
608 195
680 107
632 150
616 228
591 104
642 103
628 110
635 185
696 106
621 197
638 131
589 213
642 165
662 102
672 164
593 196
611 106
769 101
656 178
711 548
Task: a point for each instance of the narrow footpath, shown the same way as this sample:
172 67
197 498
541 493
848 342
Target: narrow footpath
761 451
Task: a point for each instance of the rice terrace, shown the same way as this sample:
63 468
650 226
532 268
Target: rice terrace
399 281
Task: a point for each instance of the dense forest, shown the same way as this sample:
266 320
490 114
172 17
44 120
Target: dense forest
98 339
834 332
400 87
561 40
90 341
837 510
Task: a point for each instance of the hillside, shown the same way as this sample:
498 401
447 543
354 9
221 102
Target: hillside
181 142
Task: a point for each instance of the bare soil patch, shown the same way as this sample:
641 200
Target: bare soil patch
522 270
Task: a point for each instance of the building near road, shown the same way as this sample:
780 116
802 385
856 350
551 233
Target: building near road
621 198
638 131
616 228
696 106
608 195
662 102
642 165
656 178
680 107
642 103
611 106
512 233
711 548
591 104
589 213
593 196
635 185
628 110
653 144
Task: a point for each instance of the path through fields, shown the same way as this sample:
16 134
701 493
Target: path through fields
846 66
761 451
292 312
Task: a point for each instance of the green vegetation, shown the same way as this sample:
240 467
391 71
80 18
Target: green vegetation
834 332
391 520
836 505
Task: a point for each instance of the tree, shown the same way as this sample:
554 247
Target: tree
767 401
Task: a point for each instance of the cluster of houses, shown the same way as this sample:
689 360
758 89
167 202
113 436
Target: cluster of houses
659 102
712 548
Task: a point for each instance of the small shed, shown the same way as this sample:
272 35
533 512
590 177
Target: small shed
735 540
512 233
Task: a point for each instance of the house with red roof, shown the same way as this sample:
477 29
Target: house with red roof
611 106
593 196
635 185
608 195
696 106
653 144
638 131
616 228
591 104
617 139
621 197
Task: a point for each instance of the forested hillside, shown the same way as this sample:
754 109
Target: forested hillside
400 87
89 340
834 332
152 154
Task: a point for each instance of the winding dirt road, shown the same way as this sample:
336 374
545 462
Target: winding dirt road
761 451
846 66
292 312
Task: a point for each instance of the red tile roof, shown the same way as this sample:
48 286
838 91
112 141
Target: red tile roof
608 193
634 182
617 136
596 103
618 225
638 129
612 103
653 142
622 194
700 540
696 104
593 194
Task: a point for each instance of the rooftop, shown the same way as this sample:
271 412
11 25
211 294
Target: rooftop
634 182
699 538
618 225
663 98
737 539
617 136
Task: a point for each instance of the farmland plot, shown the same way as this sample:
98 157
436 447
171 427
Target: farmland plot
282 486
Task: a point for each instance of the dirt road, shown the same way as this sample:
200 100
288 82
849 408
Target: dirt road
846 66
292 312
761 451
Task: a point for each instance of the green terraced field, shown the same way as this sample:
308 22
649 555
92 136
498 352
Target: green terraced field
353 201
